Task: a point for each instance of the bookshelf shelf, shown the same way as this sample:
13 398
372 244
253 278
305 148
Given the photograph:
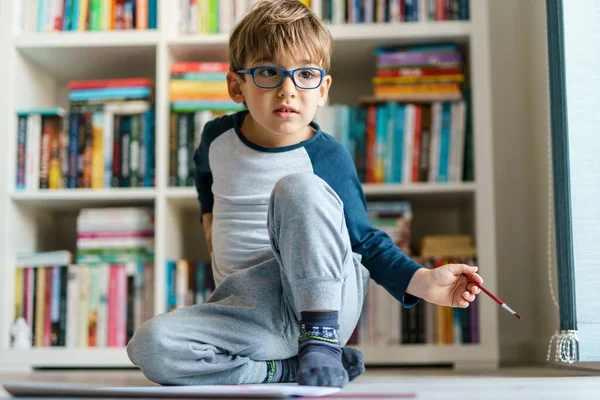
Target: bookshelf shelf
66 357
35 74
69 198
88 39
186 197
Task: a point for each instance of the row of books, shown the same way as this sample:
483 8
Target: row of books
43 16
391 11
394 142
115 235
220 16
188 282
78 305
384 322
107 139
431 71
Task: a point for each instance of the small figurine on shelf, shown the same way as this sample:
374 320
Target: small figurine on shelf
21 334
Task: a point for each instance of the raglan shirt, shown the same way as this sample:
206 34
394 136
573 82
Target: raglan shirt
234 179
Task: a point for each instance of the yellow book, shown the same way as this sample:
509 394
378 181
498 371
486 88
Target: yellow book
19 273
40 307
83 13
97 151
185 86
305 2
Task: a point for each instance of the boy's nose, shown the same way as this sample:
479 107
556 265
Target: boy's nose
287 87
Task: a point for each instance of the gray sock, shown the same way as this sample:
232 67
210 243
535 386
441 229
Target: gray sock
319 354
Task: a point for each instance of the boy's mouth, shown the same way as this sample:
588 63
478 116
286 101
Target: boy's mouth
285 111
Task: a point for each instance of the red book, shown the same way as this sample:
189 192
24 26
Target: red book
109 83
417 71
206 67
47 342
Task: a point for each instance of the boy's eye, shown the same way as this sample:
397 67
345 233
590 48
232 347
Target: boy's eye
305 74
267 72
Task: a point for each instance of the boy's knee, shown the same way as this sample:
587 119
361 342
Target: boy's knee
149 349
301 188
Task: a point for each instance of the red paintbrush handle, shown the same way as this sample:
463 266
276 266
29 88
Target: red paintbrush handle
484 290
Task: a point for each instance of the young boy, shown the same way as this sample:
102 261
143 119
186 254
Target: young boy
286 224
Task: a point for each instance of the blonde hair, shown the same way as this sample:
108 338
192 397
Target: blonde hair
272 26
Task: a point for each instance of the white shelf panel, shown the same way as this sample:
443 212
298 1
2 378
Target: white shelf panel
92 55
66 357
76 198
435 31
418 188
350 40
88 39
117 357
186 197
424 354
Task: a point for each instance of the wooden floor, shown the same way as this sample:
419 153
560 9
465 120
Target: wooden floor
442 384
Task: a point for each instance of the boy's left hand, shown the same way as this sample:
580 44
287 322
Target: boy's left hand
446 285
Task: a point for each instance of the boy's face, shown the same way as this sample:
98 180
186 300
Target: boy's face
282 114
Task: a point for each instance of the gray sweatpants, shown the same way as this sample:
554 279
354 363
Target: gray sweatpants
253 314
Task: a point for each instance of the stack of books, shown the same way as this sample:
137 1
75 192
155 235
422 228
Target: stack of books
115 235
111 133
419 73
198 94
87 15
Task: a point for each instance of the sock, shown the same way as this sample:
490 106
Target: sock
284 371
319 352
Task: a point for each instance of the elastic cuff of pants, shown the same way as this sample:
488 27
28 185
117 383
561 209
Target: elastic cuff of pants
317 294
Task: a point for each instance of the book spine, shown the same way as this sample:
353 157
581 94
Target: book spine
125 150
33 152
134 151
21 152
116 174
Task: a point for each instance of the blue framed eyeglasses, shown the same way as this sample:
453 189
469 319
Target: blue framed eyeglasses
270 77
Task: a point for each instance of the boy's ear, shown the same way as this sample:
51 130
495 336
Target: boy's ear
234 87
324 90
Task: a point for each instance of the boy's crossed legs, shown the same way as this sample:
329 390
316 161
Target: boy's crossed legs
253 316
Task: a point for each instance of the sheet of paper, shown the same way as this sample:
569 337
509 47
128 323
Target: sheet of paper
54 389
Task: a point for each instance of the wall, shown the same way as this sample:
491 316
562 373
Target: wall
521 136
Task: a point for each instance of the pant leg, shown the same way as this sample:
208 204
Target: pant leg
224 341
310 240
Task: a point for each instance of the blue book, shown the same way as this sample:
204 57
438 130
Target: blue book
55 111
152 14
170 285
149 148
201 76
445 142
110 93
191 106
399 122
380 136
390 144
75 15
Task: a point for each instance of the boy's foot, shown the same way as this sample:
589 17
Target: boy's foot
285 371
319 352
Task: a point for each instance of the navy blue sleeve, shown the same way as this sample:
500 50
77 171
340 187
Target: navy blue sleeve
388 265
203 177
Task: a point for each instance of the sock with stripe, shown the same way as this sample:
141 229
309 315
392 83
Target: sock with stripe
319 352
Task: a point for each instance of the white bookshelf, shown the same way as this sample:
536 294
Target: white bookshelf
36 69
